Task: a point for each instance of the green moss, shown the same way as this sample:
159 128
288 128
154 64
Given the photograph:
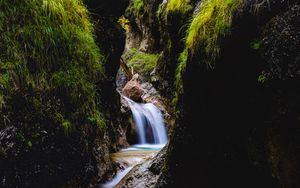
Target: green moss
212 22
124 22
159 10
182 60
137 7
180 70
262 78
48 49
65 124
97 119
140 62
255 45
178 6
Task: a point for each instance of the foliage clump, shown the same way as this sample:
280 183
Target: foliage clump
179 74
48 47
180 70
141 62
181 6
209 25
124 22
137 7
50 87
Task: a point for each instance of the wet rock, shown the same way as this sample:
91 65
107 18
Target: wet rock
145 174
133 89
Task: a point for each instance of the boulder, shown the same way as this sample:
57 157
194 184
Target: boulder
133 89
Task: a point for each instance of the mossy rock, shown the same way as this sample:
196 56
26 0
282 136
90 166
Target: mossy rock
140 62
50 75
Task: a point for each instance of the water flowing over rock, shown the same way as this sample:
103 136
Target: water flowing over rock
149 123
146 174
152 136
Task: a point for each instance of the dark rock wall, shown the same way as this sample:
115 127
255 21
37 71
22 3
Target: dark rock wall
241 116
237 120
111 38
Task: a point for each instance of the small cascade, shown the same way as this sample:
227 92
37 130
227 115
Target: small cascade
152 136
149 123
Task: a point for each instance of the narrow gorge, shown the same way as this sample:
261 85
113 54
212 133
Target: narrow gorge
150 93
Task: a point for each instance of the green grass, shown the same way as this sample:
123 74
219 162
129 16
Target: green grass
179 74
140 62
137 7
212 22
48 49
178 6
180 70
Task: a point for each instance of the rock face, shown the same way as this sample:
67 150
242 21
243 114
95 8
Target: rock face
54 122
133 89
143 32
145 174
237 97
111 38
225 116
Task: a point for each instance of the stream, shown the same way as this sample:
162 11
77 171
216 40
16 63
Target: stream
152 137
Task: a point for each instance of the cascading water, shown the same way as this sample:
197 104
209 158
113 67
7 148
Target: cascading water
149 123
152 136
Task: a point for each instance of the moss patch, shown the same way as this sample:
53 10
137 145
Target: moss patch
141 62
48 46
179 74
178 6
212 22
50 87
137 7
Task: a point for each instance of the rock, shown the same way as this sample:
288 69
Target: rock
121 80
249 90
133 89
7 142
145 174
143 32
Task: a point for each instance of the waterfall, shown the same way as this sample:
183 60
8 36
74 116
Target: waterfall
152 136
149 123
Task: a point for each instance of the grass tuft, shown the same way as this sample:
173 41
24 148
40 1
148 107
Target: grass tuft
48 49
212 22
141 62
178 6
137 7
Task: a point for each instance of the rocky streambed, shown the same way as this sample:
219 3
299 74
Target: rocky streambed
134 166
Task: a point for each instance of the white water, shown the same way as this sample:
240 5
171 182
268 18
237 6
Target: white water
152 136
116 179
132 156
149 123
